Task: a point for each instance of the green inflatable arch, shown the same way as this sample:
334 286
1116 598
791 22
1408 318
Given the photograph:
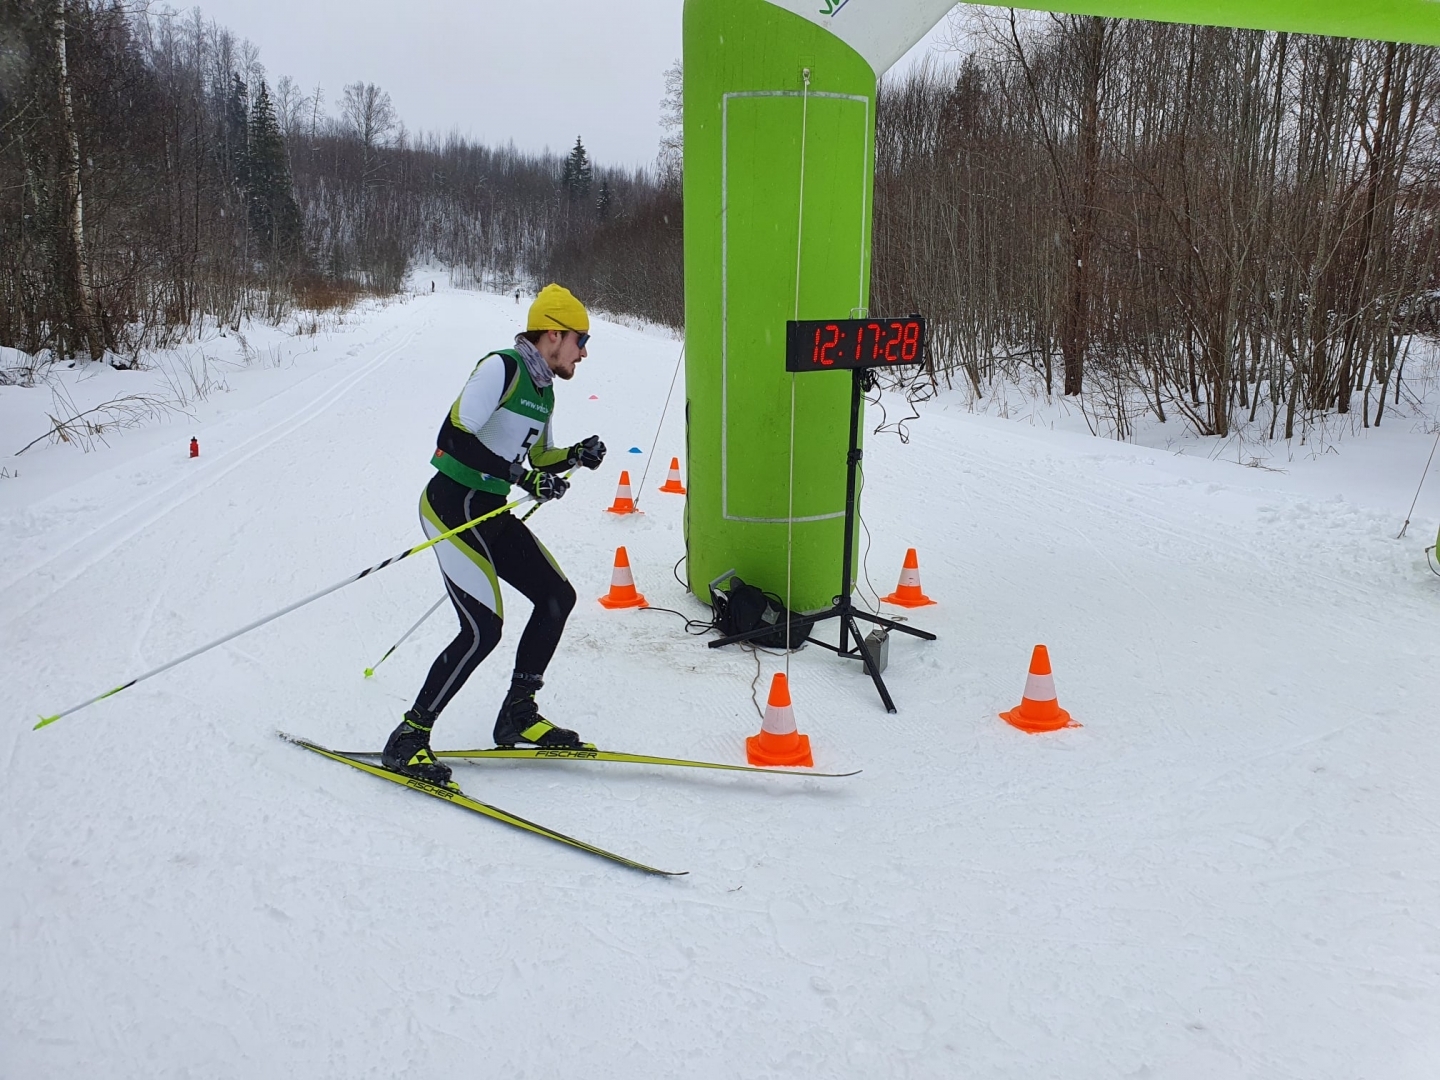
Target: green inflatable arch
779 166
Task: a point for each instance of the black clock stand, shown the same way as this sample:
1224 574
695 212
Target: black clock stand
843 608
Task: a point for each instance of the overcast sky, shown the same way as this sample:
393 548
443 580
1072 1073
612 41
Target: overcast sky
538 72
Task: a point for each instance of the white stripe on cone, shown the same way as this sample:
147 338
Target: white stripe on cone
622 577
909 577
779 720
1039 687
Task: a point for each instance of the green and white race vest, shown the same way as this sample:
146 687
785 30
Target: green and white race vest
517 425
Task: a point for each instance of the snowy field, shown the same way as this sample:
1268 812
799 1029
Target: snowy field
1231 870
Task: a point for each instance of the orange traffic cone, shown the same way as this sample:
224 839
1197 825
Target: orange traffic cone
778 742
622 592
1039 709
907 593
673 484
623 504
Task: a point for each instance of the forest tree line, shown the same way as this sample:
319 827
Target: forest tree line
1221 225
1224 225
153 177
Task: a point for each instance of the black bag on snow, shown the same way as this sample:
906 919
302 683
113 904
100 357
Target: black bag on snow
740 607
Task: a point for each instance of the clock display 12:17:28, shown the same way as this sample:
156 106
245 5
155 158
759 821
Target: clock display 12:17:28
823 345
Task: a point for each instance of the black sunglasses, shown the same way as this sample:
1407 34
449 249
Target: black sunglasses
580 338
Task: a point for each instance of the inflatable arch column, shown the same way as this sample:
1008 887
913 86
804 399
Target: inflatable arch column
779 173
779 167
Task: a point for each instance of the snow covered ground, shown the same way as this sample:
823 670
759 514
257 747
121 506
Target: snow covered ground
1231 870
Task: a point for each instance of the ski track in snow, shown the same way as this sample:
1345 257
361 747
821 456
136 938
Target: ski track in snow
124 520
1232 869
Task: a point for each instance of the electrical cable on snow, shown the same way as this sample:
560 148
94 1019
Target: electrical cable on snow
693 627
699 627
656 441
1422 484
755 682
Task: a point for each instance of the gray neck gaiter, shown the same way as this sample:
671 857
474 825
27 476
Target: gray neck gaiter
540 373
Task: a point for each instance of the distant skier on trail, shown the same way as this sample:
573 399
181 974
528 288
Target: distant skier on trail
501 417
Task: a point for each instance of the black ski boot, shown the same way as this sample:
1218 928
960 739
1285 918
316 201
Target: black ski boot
407 751
520 720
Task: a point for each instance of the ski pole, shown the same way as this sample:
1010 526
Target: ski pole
46 720
434 608
369 671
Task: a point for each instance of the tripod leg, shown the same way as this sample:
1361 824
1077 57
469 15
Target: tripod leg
891 625
870 666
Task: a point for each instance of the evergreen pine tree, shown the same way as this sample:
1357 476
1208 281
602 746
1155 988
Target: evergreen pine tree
273 214
602 202
583 172
577 173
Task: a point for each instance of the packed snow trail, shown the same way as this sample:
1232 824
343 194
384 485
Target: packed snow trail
1229 871
101 533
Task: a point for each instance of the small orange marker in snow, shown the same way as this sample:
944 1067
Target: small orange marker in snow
908 593
1039 709
778 742
673 484
622 592
624 503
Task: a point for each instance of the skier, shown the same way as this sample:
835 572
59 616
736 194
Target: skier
502 415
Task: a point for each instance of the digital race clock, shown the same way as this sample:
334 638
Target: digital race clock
828 344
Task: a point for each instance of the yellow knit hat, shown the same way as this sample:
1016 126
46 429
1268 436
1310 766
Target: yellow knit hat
557 309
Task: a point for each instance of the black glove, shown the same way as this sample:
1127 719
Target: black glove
589 453
544 486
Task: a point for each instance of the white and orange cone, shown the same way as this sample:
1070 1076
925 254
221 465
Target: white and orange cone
778 742
624 503
673 484
1039 710
908 593
622 592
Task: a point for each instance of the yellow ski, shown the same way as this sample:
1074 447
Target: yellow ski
536 753
475 805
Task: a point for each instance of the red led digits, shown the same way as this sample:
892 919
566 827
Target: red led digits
825 358
840 344
911 346
890 345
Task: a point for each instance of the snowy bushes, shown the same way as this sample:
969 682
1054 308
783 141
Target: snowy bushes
1234 226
